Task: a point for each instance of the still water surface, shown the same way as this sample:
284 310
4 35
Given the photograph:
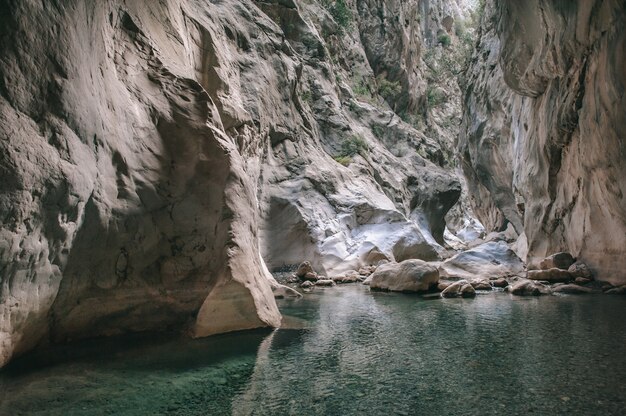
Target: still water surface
347 351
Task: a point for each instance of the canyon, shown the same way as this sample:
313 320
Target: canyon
160 160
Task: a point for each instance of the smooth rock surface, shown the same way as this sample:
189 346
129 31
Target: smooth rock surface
408 276
490 260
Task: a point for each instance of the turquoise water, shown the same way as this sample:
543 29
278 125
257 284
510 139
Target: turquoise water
352 352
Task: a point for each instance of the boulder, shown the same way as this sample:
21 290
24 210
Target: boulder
443 285
367 270
621 290
481 284
572 289
489 260
500 282
303 269
525 287
582 281
351 276
325 282
580 269
550 275
559 261
307 284
312 276
459 289
407 276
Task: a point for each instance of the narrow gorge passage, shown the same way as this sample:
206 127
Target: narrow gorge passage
351 172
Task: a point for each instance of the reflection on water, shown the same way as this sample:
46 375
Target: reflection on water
345 351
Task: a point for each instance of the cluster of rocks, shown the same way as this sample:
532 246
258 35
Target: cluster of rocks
306 278
455 277
562 273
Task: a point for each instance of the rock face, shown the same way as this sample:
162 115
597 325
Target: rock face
345 181
408 276
543 133
126 199
154 154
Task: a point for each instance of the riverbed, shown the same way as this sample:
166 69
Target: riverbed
346 351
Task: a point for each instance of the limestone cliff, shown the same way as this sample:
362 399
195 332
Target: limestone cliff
544 128
154 156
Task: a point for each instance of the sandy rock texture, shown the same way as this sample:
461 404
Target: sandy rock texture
543 137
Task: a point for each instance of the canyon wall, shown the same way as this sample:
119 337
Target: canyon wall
157 157
543 143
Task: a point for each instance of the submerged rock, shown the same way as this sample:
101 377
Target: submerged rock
572 289
462 288
621 290
408 276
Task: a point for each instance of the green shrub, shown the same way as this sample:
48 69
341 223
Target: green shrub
388 89
361 89
435 97
378 130
340 12
353 145
306 96
416 120
444 39
344 160
459 28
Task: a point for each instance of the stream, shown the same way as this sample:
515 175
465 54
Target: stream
346 351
